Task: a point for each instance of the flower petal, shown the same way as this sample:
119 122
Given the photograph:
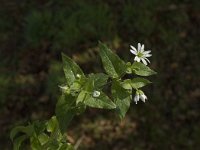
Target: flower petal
147 60
147 55
133 52
142 48
137 59
133 48
146 52
144 61
139 47
136 98
143 97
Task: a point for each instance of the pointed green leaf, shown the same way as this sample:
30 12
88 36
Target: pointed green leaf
52 144
81 97
127 84
52 124
122 99
35 144
65 111
113 65
139 82
135 83
95 82
39 127
28 130
99 79
43 138
102 101
66 146
18 141
142 70
71 69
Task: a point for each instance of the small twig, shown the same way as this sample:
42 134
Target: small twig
78 142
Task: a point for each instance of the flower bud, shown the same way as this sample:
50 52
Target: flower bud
96 94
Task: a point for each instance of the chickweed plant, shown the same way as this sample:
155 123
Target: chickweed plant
81 91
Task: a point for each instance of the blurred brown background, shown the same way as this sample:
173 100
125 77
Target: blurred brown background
34 33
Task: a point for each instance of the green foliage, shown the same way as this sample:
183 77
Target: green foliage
135 83
122 98
81 91
71 70
42 135
65 110
113 65
98 80
99 102
142 70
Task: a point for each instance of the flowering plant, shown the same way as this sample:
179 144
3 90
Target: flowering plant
81 91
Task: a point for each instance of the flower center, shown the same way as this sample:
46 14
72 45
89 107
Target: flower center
140 54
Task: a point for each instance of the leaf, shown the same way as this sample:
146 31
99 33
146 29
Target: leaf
128 68
99 79
52 144
135 83
65 111
113 65
71 69
18 141
28 130
139 82
81 97
43 138
75 86
127 84
95 82
66 146
52 124
142 70
35 143
102 101
39 127
122 99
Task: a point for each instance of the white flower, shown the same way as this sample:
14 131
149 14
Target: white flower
140 95
96 94
140 53
136 98
143 97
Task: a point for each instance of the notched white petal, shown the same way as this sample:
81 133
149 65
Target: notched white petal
133 48
143 97
142 48
137 59
146 52
144 61
133 52
136 98
139 46
147 60
147 55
